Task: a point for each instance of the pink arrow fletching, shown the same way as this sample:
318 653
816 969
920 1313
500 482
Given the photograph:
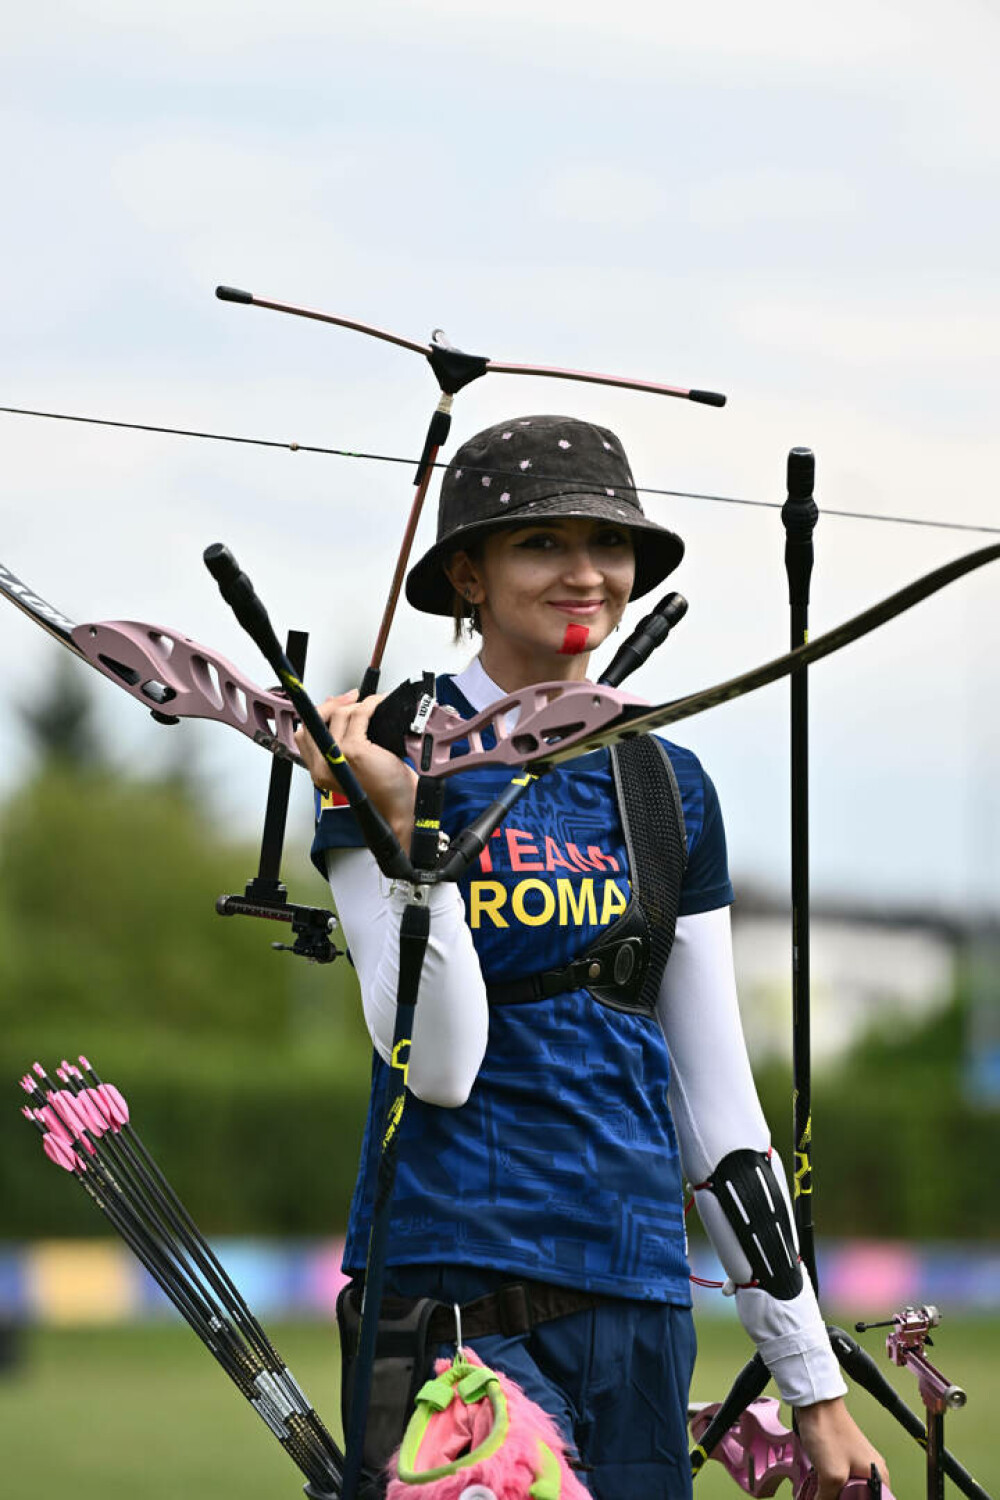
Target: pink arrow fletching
52 1122
65 1112
93 1114
64 1156
66 1107
64 1104
115 1104
102 1107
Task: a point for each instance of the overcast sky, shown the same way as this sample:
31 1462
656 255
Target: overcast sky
794 207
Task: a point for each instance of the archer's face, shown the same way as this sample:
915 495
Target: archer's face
535 581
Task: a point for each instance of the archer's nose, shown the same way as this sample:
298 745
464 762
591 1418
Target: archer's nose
582 569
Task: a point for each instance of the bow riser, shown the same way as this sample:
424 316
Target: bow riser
760 1454
525 725
174 676
168 673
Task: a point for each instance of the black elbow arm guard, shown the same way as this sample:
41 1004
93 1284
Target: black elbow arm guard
750 1197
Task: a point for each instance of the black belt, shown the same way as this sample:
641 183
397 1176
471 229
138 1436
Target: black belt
510 1311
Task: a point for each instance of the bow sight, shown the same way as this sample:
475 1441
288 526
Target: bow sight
911 1333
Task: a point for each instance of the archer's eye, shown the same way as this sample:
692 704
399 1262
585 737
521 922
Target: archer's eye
538 540
612 536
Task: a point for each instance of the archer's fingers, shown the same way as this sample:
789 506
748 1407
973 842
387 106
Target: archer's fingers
832 1484
357 720
337 700
334 712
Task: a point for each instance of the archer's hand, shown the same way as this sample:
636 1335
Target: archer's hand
389 781
837 1447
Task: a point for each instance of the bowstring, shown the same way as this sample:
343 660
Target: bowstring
391 458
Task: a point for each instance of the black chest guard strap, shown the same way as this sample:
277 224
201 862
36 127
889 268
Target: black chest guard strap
624 965
649 803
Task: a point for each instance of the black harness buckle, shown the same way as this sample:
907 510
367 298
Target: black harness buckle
613 970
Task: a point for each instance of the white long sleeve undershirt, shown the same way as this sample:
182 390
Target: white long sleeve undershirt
712 1095
451 1021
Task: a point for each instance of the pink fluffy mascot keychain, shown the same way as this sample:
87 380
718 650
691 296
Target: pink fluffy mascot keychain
475 1435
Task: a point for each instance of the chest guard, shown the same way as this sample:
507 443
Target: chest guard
623 967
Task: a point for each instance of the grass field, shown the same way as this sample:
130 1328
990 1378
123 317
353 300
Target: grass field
145 1412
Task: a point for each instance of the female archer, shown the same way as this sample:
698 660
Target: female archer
577 1050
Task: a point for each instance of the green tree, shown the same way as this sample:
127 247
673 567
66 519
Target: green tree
61 721
246 1070
898 1146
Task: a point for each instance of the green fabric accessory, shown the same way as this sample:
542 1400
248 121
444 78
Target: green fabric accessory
470 1383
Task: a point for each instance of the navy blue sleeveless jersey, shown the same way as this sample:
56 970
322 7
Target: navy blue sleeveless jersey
562 1165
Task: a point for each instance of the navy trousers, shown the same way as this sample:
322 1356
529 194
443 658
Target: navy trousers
615 1379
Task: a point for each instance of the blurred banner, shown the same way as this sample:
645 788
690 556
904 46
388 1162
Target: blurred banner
982 1058
76 1282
